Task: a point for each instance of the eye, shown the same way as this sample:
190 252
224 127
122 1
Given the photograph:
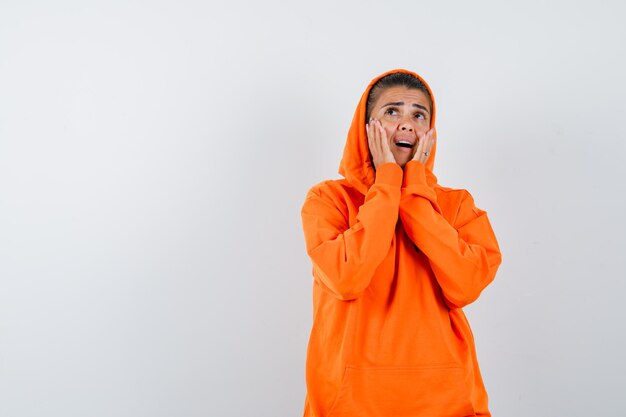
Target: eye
392 111
420 115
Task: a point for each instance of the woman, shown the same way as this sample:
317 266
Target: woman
395 258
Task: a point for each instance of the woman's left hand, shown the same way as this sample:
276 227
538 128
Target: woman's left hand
424 145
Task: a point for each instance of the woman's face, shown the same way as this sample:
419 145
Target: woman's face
405 116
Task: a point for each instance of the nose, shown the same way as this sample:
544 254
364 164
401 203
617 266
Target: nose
405 127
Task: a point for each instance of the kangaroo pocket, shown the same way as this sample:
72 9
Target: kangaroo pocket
433 391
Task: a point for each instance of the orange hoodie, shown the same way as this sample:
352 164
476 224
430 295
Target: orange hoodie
395 258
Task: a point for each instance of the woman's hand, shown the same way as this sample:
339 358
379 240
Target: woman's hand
378 143
424 145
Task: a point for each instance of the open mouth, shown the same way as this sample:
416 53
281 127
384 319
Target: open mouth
404 144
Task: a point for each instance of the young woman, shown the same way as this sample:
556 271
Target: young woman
395 258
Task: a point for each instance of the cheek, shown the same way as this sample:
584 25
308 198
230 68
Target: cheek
422 128
389 129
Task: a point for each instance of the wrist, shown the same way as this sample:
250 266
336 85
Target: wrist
390 174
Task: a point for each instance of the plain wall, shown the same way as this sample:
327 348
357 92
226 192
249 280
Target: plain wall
154 157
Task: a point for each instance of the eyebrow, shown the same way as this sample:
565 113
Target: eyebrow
401 103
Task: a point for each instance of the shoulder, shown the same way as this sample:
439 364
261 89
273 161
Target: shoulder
332 190
331 198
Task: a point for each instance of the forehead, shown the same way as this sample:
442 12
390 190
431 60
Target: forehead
402 94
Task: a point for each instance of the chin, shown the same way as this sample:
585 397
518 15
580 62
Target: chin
402 162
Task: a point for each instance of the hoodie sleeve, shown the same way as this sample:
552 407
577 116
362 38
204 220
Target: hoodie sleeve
345 258
464 253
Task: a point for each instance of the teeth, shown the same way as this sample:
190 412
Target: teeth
404 144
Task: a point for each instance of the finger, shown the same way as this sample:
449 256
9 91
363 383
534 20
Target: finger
431 143
419 151
379 138
386 145
373 137
428 143
375 143
369 136
384 142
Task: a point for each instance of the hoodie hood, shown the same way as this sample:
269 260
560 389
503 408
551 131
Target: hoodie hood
356 164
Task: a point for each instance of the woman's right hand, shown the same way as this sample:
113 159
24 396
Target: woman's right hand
378 144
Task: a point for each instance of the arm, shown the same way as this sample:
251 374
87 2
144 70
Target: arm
463 254
345 258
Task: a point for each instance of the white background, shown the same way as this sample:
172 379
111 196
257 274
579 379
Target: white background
154 157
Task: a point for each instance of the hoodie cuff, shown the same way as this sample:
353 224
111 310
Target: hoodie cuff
389 174
414 174
415 183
